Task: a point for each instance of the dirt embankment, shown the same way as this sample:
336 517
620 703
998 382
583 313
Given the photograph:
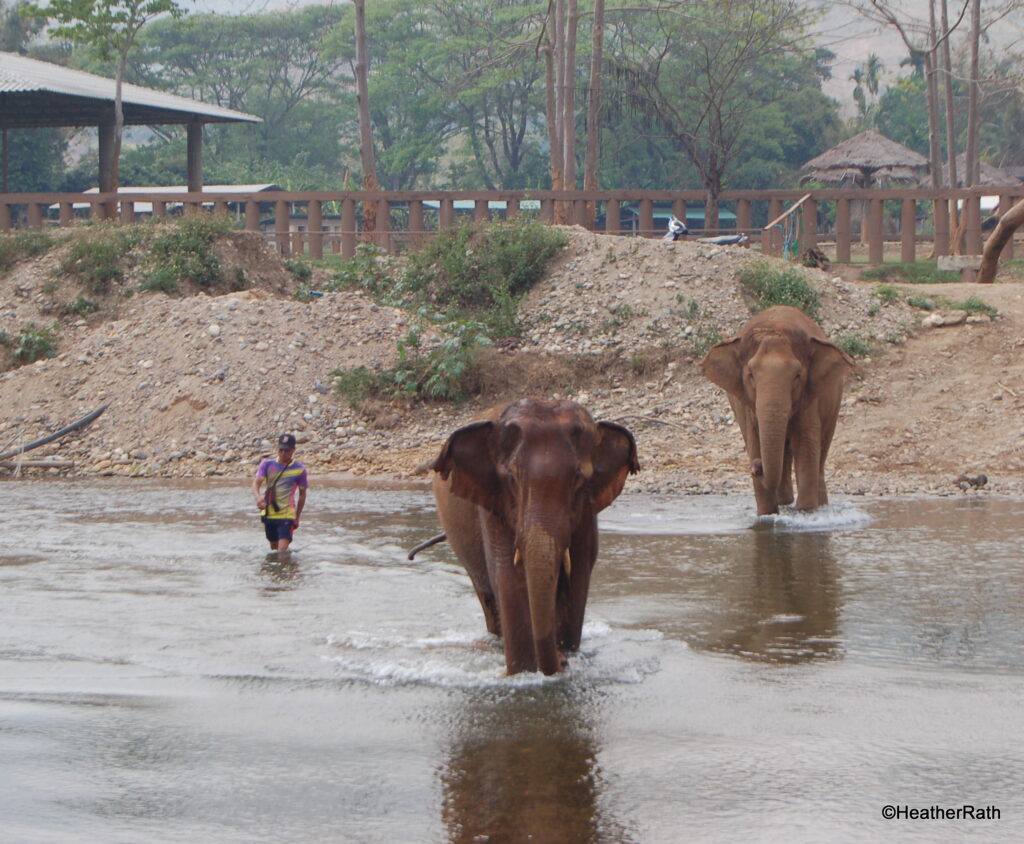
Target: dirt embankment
199 385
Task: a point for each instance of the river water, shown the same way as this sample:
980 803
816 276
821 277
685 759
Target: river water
782 679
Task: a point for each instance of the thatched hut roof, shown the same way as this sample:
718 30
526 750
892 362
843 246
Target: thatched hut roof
854 177
867 151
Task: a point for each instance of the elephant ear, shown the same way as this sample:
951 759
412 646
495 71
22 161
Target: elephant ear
828 361
467 458
721 366
614 458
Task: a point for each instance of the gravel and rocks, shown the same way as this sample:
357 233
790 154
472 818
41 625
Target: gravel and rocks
201 385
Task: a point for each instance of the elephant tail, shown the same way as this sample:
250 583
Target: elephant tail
423 546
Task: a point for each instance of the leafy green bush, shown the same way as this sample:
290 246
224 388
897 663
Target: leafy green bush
97 255
856 345
26 243
183 251
772 286
438 374
34 343
299 268
924 303
82 307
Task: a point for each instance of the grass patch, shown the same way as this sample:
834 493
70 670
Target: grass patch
887 294
973 305
27 243
770 286
918 272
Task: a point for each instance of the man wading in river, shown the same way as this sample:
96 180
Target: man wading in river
278 508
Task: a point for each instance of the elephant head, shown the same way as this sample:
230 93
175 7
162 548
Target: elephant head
536 474
784 380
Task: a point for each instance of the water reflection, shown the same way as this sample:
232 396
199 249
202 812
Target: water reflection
522 767
785 606
281 569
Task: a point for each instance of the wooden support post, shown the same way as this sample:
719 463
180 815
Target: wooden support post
843 245
481 210
159 208
647 218
972 210
772 244
940 214
446 213
67 213
194 156
612 224
876 246
809 225
281 225
908 231
252 215
744 218
348 228
315 229
416 224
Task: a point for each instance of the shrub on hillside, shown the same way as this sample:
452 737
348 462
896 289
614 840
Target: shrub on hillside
770 285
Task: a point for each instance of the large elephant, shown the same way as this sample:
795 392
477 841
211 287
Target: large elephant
518 492
785 381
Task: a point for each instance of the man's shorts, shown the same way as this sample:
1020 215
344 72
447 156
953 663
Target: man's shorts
277 529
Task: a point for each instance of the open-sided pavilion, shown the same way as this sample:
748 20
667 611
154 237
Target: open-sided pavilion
36 94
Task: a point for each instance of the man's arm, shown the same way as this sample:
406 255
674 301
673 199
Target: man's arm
299 505
257 482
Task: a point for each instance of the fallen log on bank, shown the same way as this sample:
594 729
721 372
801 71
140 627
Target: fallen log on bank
56 435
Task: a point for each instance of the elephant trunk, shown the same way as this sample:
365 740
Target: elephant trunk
772 422
543 558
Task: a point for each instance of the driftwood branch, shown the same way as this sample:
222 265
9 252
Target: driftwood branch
36 464
74 426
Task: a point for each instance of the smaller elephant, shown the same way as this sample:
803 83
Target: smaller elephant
785 382
518 493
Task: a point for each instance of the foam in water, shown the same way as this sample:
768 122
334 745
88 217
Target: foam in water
830 517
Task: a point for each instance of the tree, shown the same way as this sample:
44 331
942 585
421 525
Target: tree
705 70
867 78
110 28
366 157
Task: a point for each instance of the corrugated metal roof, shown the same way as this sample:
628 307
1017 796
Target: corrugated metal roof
21 75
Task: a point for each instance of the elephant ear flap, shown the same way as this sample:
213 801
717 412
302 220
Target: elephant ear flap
829 361
466 459
614 458
721 366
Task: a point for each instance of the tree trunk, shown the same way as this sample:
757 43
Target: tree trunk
593 151
367 160
973 164
947 81
1007 225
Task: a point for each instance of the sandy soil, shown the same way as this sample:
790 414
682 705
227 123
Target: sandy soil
200 384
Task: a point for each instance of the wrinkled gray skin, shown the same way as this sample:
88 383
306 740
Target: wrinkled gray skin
785 382
518 493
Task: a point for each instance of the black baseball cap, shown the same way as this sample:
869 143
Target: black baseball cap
286 442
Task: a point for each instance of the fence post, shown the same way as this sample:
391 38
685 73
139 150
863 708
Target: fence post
972 208
5 217
646 218
744 216
35 215
773 241
252 215
940 214
159 208
876 247
612 224
383 233
843 231
348 228
908 232
481 210
67 213
416 235
809 225
281 226
127 214
446 213
315 229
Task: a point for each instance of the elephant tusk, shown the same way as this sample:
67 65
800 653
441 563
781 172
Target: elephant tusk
518 558
567 562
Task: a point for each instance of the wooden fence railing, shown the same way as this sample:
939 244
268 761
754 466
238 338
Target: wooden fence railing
319 222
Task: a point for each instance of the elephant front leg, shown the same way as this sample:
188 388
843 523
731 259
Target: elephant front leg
807 456
508 578
785 495
574 584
